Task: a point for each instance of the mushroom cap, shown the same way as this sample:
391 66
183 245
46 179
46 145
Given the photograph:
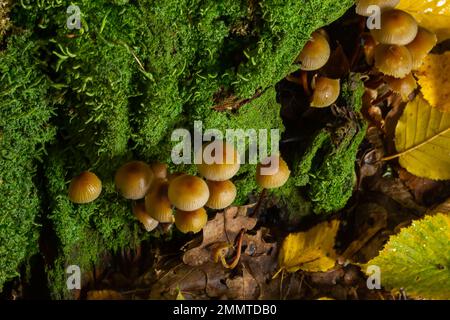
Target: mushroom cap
191 221
397 27
392 60
133 179
157 202
326 91
403 86
85 188
143 216
269 175
421 46
159 170
315 53
363 5
220 161
221 194
188 192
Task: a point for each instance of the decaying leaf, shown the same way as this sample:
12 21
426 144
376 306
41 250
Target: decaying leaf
431 14
378 216
250 280
442 208
310 251
104 295
222 229
433 77
422 139
418 259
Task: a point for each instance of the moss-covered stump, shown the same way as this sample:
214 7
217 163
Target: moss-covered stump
25 110
135 71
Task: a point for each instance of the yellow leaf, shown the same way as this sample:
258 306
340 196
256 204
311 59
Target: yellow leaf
434 79
422 138
433 15
180 296
310 251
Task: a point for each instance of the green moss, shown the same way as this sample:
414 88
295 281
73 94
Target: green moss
326 170
24 113
133 73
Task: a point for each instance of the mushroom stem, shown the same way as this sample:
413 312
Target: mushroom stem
238 244
305 85
261 197
382 98
357 51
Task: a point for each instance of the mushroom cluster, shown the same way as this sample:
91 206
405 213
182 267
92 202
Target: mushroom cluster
397 47
179 198
314 56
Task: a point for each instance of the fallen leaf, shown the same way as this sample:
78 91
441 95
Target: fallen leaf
223 228
442 208
311 250
431 14
418 259
395 189
422 140
434 79
377 220
426 192
104 295
244 287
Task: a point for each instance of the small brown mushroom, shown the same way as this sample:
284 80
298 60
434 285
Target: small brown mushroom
421 46
315 53
188 192
221 194
191 221
85 188
133 179
219 161
144 217
393 60
403 86
159 170
362 6
326 91
269 175
397 27
157 202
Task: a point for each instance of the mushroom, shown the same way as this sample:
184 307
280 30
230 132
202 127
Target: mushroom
143 216
221 194
315 53
191 221
188 192
369 45
362 6
157 202
85 188
421 46
397 27
403 86
270 176
326 91
133 179
218 167
393 60
159 170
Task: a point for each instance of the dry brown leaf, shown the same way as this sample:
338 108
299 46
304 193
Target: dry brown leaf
104 295
223 228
